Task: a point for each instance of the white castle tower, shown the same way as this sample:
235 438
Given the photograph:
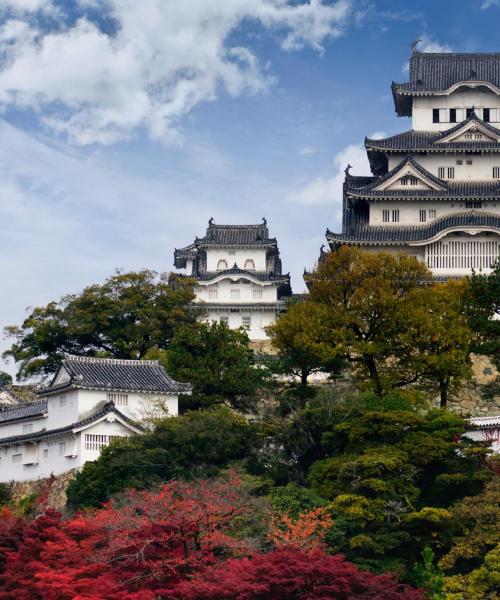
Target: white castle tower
434 192
238 276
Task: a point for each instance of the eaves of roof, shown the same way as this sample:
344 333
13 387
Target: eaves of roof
405 234
108 408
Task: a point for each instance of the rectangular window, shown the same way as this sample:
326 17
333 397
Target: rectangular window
395 216
486 115
212 294
231 252
451 172
235 294
385 216
468 113
468 162
17 459
453 115
496 172
28 428
224 320
404 181
441 172
460 162
62 401
246 322
435 115
45 453
473 204
257 294
62 448
118 399
423 216
432 213
96 442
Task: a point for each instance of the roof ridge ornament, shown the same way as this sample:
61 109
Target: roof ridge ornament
414 45
347 169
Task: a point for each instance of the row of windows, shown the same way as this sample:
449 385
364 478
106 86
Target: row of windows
386 214
446 172
424 214
17 458
245 321
444 115
235 294
118 399
222 264
96 442
427 214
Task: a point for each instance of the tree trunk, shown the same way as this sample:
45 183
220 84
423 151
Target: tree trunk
304 374
443 390
374 376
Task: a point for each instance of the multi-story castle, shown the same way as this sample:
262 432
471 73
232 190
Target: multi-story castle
434 192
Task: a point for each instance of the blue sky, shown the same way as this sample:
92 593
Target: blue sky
126 125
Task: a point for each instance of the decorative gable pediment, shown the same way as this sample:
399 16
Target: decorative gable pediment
62 376
408 178
474 131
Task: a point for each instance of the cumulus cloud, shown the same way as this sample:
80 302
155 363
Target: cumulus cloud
159 60
328 190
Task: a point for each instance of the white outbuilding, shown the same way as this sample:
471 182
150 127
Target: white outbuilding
88 403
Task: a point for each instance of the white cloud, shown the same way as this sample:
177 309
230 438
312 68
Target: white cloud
428 44
489 3
328 190
165 57
307 151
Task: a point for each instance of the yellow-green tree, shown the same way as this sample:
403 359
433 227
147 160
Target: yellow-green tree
367 299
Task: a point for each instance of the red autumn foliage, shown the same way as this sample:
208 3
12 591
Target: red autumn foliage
291 574
170 544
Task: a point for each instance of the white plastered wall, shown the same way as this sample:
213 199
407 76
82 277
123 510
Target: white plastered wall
237 256
461 99
481 168
409 211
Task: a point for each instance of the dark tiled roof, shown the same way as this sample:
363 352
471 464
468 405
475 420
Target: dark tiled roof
437 72
109 407
450 188
259 275
183 254
29 410
236 235
112 374
403 234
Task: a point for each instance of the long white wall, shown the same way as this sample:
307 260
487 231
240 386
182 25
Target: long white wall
481 168
237 290
409 211
259 320
460 100
238 256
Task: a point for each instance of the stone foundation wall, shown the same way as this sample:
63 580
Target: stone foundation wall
481 396
55 489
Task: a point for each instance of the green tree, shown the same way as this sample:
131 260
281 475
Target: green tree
392 476
476 533
5 379
125 317
368 299
302 341
436 345
199 443
218 363
484 312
